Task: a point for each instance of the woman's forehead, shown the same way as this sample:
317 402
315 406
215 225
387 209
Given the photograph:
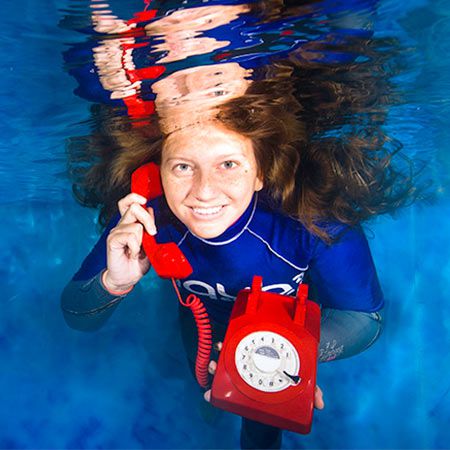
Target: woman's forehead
206 142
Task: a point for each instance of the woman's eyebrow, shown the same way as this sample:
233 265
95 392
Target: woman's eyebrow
218 157
229 156
179 158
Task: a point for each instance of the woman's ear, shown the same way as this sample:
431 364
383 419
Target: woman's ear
259 183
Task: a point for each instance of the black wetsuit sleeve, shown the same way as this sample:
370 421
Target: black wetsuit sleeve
86 305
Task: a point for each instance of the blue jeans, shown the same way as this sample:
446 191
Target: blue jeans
342 334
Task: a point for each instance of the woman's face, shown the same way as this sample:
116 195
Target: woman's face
209 176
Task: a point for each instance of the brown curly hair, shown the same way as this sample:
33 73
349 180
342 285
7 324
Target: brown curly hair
320 148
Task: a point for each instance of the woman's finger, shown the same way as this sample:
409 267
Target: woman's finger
212 367
136 213
119 236
151 228
126 202
207 395
318 398
119 240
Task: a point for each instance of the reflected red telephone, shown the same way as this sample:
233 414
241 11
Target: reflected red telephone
268 363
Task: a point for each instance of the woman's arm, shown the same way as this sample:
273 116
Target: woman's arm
344 277
111 270
87 305
85 302
343 273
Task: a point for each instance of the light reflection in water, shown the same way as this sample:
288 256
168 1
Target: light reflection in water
130 55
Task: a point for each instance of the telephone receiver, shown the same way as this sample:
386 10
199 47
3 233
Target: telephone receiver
169 262
167 259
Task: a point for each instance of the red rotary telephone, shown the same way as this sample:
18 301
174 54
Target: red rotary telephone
268 363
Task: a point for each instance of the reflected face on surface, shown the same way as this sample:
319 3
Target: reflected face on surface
192 95
209 175
180 47
198 19
181 30
211 84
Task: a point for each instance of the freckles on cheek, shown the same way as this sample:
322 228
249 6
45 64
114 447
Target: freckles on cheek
172 186
235 180
178 186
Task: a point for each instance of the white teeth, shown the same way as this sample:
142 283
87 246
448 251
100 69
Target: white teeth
207 211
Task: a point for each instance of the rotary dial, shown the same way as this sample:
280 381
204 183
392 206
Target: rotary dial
267 361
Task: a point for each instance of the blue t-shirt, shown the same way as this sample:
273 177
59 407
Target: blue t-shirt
267 243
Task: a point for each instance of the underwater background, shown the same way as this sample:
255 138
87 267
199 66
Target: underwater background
128 385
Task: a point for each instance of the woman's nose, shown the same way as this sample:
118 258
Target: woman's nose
205 186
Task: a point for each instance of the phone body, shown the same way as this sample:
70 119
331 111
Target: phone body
268 364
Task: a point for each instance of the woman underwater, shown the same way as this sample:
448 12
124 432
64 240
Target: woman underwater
245 191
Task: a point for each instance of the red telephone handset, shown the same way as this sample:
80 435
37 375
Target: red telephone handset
167 259
267 367
169 262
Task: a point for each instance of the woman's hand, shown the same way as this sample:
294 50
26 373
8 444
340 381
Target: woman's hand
126 260
318 398
212 367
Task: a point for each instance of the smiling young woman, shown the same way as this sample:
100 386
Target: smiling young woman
246 190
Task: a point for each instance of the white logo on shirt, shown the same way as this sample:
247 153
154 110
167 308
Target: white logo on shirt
218 291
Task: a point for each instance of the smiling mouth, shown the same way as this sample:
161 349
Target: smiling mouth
207 212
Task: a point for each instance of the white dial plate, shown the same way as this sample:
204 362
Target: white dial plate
264 360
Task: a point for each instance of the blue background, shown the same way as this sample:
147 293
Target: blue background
128 385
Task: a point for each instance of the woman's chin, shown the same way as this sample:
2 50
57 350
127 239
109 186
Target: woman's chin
209 226
207 232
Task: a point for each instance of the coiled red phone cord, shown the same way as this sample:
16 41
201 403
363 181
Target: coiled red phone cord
204 335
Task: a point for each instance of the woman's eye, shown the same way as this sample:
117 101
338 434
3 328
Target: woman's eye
182 168
229 164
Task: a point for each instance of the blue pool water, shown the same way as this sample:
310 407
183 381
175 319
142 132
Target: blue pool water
128 386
